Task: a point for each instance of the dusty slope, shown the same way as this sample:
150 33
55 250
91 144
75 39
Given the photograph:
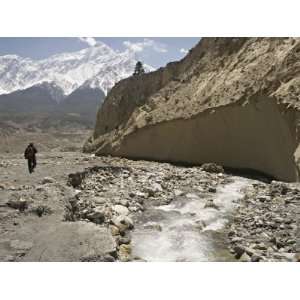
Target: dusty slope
211 106
24 236
187 207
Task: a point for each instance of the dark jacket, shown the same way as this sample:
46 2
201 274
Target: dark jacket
30 152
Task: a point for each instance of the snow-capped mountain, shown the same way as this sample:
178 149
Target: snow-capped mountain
96 67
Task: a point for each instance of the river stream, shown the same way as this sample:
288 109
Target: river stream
186 230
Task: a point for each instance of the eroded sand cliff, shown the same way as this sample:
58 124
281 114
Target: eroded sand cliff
231 101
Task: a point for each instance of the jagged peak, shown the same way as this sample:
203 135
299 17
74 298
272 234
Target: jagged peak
68 70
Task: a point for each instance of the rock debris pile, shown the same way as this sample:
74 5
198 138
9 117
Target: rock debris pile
115 195
265 226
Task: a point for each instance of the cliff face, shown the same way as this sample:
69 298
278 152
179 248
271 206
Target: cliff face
233 101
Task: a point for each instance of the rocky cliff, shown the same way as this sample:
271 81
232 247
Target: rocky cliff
233 101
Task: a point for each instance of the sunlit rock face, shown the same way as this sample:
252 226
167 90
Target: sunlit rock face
230 101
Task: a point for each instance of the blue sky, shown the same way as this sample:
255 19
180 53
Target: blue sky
156 51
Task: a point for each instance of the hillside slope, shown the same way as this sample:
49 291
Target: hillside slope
233 101
38 107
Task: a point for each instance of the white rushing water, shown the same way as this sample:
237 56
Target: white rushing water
185 230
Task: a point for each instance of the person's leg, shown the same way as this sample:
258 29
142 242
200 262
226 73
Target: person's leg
29 165
33 162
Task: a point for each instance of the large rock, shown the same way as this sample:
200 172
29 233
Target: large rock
123 223
97 216
120 210
213 106
124 252
210 204
48 180
75 179
20 204
278 188
72 242
154 189
212 168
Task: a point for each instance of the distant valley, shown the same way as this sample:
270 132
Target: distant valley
62 92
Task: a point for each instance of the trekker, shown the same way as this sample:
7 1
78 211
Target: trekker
29 154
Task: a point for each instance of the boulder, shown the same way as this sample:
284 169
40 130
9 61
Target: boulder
99 200
120 210
138 194
48 180
123 240
75 179
210 204
114 230
212 168
178 193
297 257
72 241
239 251
278 188
212 189
123 223
154 189
256 258
245 257
124 252
263 198
108 258
41 210
192 196
97 216
260 246
20 204
9 258
123 202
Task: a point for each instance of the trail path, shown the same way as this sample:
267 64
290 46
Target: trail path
27 237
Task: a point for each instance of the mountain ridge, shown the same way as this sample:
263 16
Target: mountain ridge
99 64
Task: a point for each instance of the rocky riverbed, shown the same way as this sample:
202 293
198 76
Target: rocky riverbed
265 226
79 207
